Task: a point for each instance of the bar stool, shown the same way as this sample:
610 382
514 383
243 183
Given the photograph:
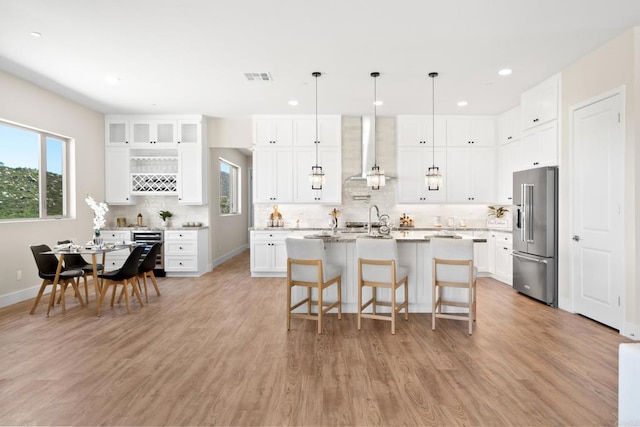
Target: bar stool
452 267
378 267
307 267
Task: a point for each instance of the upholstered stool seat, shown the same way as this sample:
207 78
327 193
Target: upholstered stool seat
378 267
307 267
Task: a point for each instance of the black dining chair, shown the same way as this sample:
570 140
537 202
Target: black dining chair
123 276
77 262
47 267
146 269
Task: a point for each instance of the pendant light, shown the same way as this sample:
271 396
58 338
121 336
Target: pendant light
433 179
375 177
316 176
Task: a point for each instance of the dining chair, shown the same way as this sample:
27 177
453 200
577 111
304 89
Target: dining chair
77 262
146 269
47 266
379 268
123 276
452 267
307 267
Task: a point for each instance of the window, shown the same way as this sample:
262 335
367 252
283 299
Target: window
32 173
229 188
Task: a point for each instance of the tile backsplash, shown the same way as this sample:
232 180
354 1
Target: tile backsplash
149 206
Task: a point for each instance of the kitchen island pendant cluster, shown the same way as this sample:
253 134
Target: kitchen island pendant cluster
375 177
316 177
433 179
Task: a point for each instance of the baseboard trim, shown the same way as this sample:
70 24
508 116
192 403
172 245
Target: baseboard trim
229 255
631 331
18 296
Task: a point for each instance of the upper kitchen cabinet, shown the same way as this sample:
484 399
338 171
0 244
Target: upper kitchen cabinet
116 131
153 133
540 103
471 175
413 165
540 146
273 131
189 131
272 175
117 176
510 126
329 158
417 131
471 131
329 131
192 162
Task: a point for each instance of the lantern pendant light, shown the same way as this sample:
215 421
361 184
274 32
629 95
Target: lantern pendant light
316 177
375 177
433 179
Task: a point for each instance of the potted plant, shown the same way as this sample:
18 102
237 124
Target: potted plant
165 215
497 211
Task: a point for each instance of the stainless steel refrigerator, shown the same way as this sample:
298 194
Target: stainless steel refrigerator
535 233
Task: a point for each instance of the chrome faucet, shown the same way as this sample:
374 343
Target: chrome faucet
377 216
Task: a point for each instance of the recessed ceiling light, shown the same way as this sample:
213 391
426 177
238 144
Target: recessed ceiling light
505 72
462 104
113 80
36 34
294 103
378 103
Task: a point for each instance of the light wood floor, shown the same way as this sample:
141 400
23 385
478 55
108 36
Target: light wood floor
215 351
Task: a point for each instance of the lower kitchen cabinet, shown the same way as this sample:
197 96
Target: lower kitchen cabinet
185 252
481 252
114 260
503 258
268 253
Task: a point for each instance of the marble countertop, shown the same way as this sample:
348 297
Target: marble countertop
153 228
395 230
400 236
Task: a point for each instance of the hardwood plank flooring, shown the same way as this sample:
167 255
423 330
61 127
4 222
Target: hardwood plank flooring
215 351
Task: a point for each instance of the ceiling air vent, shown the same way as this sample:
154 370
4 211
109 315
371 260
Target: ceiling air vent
258 77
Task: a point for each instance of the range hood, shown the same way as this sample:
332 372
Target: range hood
368 148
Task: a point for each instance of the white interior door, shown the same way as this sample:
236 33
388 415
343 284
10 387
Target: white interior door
598 183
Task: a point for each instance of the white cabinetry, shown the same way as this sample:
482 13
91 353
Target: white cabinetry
192 163
117 131
117 177
465 131
413 165
329 131
481 252
185 252
503 258
417 131
115 259
272 175
268 253
540 146
273 131
540 103
509 160
470 175
510 126
330 160
146 133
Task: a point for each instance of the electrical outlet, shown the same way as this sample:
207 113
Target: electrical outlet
19 275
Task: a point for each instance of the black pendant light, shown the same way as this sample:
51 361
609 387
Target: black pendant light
375 177
433 179
316 176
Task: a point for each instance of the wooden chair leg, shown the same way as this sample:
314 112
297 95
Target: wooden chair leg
359 305
146 291
126 296
103 292
77 291
86 289
320 308
340 298
113 293
154 282
136 291
40 292
406 299
52 299
393 308
288 306
63 291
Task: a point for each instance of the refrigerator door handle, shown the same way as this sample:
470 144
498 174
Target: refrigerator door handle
542 261
527 212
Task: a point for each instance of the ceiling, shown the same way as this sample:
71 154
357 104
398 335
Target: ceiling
190 56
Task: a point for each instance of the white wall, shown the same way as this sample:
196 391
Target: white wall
27 104
613 65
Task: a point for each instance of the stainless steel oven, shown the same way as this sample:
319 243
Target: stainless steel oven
148 238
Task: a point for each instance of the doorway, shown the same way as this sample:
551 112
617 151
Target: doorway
597 138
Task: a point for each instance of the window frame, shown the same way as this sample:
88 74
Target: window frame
235 181
43 137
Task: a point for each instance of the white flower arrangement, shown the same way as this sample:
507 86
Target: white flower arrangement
99 211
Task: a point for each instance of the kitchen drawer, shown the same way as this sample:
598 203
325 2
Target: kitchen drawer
181 264
114 260
116 236
270 235
504 238
179 235
181 248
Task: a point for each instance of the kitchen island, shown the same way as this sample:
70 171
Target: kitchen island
268 258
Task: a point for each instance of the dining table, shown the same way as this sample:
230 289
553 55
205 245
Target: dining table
94 251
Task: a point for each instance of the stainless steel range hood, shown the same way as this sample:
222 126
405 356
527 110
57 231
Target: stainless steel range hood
368 148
